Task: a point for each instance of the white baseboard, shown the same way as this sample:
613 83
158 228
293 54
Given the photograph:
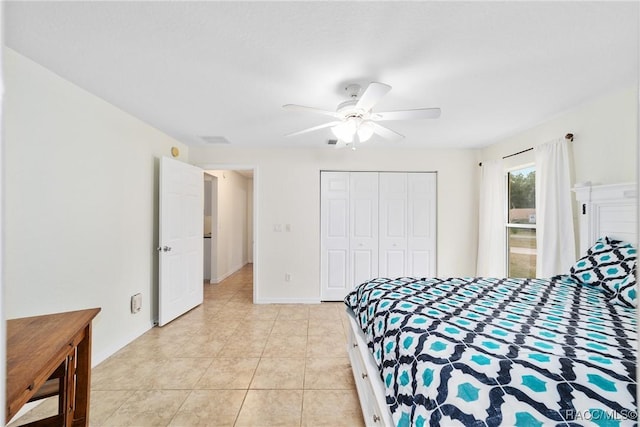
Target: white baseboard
227 274
287 301
97 358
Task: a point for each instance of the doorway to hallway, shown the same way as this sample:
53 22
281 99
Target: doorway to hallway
228 222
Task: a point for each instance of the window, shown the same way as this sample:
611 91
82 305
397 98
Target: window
521 226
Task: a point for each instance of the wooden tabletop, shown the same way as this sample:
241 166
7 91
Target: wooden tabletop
36 345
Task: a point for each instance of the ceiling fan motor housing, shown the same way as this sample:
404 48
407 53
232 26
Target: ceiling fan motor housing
347 108
353 90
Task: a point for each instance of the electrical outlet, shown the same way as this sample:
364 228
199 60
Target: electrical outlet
136 303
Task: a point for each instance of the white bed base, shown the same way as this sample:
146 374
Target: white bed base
367 377
604 210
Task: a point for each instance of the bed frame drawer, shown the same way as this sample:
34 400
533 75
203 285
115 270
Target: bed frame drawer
368 384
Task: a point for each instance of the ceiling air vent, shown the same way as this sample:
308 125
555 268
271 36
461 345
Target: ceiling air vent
332 141
215 140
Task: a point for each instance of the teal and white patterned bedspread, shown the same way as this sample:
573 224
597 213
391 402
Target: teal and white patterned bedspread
514 352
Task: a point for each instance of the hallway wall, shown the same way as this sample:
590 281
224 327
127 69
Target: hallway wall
231 232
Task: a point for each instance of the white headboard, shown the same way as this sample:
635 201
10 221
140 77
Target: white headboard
607 210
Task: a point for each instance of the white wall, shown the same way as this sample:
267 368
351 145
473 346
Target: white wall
287 187
605 141
231 233
605 138
81 204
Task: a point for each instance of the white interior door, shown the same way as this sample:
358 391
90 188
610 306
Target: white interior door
421 224
393 224
180 239
334 236
363 218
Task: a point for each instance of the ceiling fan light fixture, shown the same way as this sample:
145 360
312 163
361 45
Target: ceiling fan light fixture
345 130
365 131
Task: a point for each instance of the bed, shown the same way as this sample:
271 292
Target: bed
488 351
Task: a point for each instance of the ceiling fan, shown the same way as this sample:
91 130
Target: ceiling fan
355 120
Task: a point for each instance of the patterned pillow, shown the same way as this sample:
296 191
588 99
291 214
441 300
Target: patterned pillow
627 291
607 262
612 242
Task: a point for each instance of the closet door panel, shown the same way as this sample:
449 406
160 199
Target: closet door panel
394 262
364 226
337 267
335 271
362 263
393 224
421 224
338 220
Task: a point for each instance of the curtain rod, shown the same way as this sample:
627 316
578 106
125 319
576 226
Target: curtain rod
568 137
519 152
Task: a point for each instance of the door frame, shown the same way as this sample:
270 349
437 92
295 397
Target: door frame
213 241
256 209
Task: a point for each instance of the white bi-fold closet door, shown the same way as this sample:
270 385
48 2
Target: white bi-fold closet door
375 224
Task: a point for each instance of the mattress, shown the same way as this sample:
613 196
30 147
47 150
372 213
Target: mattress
480 351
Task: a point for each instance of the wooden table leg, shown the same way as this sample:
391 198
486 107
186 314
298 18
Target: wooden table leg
83 380
68 391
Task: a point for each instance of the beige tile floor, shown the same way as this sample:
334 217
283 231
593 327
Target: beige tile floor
229 362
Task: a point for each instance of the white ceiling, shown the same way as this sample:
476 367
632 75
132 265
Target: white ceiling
195 69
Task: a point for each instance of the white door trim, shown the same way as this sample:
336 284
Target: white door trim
256 215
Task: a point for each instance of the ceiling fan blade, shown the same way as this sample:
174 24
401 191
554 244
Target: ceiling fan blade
294 107
419 113
372 94
325 125
386 132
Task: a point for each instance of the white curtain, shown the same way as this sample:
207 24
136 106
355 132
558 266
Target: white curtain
491 229
554 217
